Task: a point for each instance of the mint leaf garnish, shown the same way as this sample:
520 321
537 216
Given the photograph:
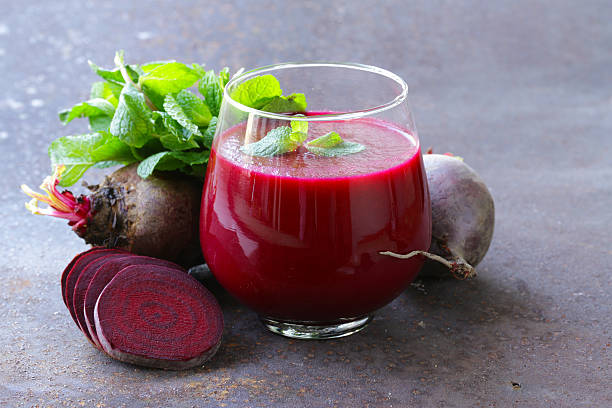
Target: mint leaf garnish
257 92
293 103
279 140
176 111
299 126
132 119
329 140
332 145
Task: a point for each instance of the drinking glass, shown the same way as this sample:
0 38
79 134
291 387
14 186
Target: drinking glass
297 236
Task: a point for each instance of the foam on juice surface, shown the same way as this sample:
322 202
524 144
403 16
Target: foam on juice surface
387 146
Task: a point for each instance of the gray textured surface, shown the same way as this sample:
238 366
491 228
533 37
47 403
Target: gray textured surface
521 89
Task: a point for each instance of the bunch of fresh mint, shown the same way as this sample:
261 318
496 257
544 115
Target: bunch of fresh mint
147 113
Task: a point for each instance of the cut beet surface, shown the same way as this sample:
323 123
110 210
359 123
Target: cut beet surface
103 276
159 317
75 271
69 267
80 287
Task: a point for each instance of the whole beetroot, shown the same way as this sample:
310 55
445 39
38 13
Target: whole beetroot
463 217
156 216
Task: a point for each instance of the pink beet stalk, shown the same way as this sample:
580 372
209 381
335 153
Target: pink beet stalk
60 204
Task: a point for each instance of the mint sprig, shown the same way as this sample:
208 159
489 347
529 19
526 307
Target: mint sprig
277 141
143 113
285 139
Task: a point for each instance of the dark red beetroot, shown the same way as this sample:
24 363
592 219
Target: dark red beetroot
158 317
69 267
80 287
157 216
74 273
463 217
102 277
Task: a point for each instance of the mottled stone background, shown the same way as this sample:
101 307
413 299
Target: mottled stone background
521 89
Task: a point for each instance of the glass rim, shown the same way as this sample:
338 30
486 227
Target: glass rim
244 75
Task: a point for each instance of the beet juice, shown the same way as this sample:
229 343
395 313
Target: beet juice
296 237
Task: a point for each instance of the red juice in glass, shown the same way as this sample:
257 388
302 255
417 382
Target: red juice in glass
297 237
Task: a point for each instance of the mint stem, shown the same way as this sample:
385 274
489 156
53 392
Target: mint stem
119 62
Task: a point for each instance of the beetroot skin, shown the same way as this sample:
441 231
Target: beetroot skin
463 212
157 216
463 216
158 317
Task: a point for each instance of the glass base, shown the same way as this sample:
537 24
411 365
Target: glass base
315 331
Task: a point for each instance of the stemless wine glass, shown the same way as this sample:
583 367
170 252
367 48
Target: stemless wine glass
297 236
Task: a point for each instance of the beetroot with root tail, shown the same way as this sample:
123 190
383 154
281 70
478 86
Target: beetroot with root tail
463 213
157 216
463 217
158 317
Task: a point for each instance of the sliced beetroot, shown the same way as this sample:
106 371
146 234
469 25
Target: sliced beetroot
76 270
78 295
103 275
69 267
159 317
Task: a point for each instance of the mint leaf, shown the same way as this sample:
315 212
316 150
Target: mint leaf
92 107
172 135
112 150
332 145
175 110
279 140
166 161
224 77
172 142
114 75
150 66
211 88
295 102
78 153
329 140
195 108
209 134
299 126
147 166
132 120
165 79
257 92
100 123
106 90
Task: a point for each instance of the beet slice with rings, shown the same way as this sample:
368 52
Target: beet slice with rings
75 271
80 287
159 317
69 267
102 276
